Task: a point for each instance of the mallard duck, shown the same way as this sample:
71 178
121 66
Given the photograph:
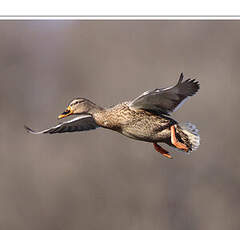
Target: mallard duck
146 118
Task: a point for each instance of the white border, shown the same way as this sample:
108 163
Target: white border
230 17
118 8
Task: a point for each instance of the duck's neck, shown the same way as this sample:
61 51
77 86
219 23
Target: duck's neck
93 108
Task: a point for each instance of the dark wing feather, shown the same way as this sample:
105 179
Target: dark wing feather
166 100
81 123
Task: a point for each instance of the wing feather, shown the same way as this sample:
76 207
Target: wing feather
80 123
166 100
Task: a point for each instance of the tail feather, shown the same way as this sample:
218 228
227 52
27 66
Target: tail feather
192 133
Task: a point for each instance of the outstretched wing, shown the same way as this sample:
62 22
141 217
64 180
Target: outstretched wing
80 123
166 100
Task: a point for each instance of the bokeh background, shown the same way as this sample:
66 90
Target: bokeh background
100 179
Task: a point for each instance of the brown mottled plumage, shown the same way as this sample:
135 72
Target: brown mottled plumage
145 118
137 124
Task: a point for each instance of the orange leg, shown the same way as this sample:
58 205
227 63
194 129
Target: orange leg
161 150
175 142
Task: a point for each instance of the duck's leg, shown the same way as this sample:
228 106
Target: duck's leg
161 150
175 142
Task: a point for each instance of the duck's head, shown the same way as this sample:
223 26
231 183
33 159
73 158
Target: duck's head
79 106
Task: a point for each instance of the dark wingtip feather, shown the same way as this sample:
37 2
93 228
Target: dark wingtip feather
192 86
29 130
180 78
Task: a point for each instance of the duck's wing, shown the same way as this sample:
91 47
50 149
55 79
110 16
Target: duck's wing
166 100
80 123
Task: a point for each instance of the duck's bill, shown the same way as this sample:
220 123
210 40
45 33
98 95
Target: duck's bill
66 113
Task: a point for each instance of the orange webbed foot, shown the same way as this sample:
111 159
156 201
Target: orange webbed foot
175 142
161 150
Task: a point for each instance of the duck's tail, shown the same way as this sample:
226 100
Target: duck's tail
189 135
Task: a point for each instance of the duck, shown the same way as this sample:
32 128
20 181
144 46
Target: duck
146 118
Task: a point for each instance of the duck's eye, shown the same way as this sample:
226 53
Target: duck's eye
78 102
74 103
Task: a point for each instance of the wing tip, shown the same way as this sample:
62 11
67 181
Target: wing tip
180 78
189 80
192 82
195 84
29 130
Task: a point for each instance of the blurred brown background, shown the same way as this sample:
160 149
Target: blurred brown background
99 179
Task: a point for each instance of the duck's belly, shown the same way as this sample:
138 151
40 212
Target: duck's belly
163 136
148 131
